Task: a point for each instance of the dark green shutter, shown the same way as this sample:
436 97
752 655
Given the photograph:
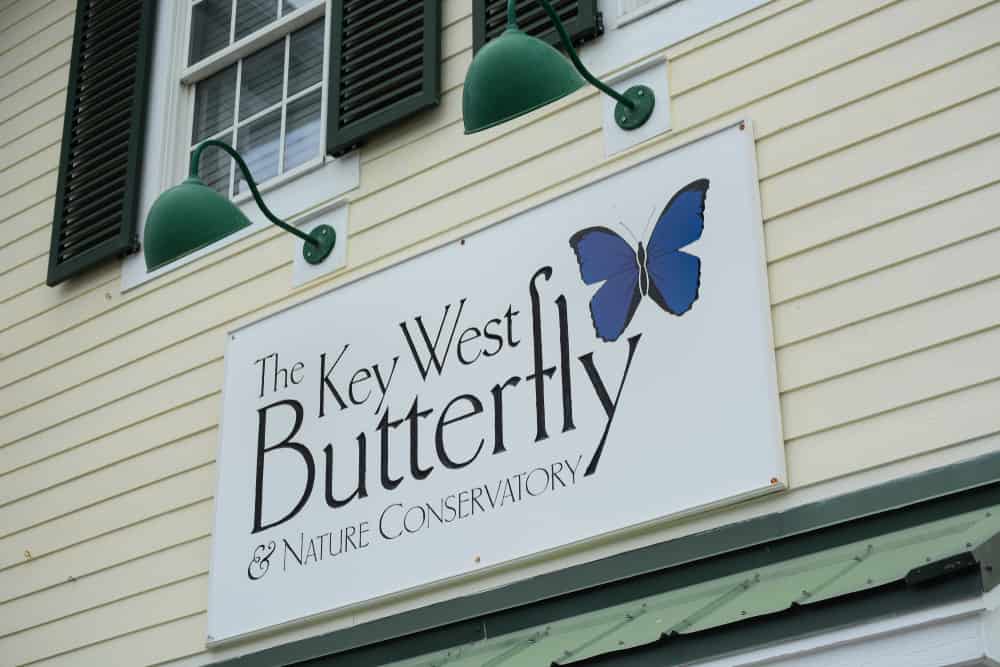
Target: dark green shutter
582 20
97 195
385 65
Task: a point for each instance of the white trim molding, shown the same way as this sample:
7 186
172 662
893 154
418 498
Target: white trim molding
959 634
654 26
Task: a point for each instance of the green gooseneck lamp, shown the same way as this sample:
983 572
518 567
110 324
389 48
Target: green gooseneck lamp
191 216
516 73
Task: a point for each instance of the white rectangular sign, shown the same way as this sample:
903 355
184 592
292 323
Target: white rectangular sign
599 362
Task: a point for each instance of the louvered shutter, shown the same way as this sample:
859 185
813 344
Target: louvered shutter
97 194
385 65
580 17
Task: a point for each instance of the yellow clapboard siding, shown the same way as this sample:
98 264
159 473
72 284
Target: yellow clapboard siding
110 515
456 37
26 196
105 551
47 110
799 24
130 315
41 53
856 78
963 363
148 371
52 464
453 11
47 323
956 266
448 112
487 195
22 100
899 194
72 597
60 435
473 166
18 10
895 334
139 612
27 220
897 435
28 169
204 323
923 140
880 113
19 280
903 238
23 250
895 22
50 13
33 142
734 27
169 641
43 299
128 475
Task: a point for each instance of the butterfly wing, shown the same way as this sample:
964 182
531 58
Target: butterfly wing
605 256
675 276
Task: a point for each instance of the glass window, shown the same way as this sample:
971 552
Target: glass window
268 104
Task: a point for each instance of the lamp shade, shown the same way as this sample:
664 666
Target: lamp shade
186 218
511 75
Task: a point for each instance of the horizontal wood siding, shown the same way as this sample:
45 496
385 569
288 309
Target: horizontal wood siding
878 127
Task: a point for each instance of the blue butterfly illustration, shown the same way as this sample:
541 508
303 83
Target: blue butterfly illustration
668 275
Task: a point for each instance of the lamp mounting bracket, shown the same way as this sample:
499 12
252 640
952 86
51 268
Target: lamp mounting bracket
326 238
643 100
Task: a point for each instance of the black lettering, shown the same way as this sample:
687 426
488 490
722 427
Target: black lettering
477 407
360 490
263 450
327 384
435 358
602 394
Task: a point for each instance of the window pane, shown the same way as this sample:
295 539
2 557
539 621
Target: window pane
263 77
254 14
215 165
305 62
258 144
209 28
302 130
213 104
289 6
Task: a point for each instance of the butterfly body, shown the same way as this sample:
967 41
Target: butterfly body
643 273
659 269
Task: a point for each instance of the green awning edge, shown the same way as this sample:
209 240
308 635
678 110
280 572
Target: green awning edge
853 609
888 507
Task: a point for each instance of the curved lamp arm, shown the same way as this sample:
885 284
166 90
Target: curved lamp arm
634 106
193 173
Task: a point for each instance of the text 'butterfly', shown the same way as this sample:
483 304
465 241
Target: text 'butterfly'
661 269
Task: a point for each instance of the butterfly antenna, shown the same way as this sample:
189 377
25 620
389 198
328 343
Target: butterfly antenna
622 225
652 214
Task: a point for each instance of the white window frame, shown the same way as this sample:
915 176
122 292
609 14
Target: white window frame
960 634
168 134
635 31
